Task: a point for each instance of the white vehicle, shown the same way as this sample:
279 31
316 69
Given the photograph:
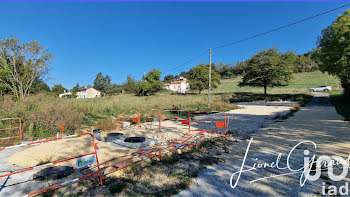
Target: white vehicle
321 88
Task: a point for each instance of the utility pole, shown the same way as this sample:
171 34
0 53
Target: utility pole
209 78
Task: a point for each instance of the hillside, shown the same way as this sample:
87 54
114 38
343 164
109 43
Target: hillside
300 83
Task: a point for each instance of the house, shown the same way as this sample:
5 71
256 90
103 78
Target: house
87 92
64 94
180 85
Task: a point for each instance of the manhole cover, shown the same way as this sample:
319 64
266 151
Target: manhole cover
53 173
113 136
134 139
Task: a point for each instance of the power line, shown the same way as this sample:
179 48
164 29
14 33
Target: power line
257 35
281 27
188 61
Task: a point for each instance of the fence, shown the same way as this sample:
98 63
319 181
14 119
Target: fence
180 113
219 124
108 167
16 135
98 172
133 116
156 151
150 115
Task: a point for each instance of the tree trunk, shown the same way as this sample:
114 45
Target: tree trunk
265 88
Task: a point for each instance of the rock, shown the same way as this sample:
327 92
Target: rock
126 124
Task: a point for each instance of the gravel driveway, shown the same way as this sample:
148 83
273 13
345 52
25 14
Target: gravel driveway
317 122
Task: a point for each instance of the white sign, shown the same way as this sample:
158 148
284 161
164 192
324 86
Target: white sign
85 161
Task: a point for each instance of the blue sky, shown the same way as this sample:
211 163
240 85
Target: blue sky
121 38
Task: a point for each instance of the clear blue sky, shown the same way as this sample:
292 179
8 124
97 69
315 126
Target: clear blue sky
121 38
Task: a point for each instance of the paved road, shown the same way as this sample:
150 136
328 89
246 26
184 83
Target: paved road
317 122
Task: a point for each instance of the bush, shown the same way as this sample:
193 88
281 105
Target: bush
341 104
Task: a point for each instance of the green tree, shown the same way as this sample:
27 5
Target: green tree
21 64
131 85
225 71
58 88
182 74
169 78
114 89
239 68
102 83
334 50
198 78
4 89
150 83
266 69
75 88
39 86
299 63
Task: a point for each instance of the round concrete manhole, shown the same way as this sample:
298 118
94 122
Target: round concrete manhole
53 173
134 139
113 136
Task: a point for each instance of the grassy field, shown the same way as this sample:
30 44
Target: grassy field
42 115
300 83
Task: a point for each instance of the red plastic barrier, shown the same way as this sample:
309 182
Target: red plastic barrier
120 119
183 121
19 128
219 124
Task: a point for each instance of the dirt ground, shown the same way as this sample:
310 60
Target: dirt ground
61 149
317 122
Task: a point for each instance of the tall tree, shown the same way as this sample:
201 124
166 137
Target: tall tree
39 86
239 68
21 64
225 70
266 69
198 78
75 88
334 50
130 86
58 88
150 83
169 78
102 83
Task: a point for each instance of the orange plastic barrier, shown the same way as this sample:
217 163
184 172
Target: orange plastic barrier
15 135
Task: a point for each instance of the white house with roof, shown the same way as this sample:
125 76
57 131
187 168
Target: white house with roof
64 94
181 85
87 92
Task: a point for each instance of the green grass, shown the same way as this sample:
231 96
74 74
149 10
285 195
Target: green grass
300 83
341 104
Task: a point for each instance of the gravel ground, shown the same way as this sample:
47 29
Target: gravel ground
317 122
